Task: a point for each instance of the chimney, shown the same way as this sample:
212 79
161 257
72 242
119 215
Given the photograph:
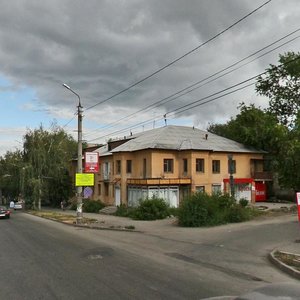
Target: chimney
206 136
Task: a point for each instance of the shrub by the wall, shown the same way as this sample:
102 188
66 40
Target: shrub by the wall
195 211
124 211
201 209
151 209
243 202
92 206
237 214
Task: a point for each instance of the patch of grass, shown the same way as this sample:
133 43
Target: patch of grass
292 260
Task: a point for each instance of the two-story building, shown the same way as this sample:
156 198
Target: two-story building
173 161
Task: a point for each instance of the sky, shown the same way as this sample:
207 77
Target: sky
135 64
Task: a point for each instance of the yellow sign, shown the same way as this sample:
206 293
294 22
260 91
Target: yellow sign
84 179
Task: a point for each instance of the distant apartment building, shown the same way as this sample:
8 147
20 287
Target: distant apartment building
172 162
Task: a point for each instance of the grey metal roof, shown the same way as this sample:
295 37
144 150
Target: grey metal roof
182 138
103 151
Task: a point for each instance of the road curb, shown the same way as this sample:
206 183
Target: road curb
103 227
282 266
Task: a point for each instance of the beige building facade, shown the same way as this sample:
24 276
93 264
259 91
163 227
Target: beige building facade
174 161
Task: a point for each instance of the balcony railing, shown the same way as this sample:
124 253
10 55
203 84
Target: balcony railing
262 176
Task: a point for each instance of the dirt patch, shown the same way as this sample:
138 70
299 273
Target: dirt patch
62 217
264 212
292 260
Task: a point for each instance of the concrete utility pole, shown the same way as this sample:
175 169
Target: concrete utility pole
79 156
231 180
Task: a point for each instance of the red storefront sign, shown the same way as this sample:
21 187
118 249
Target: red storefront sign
260 192
91 162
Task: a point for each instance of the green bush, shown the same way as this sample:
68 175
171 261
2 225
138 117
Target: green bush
151 209
237 214
173 211
92 206
201 209
194 211
123 211
223 201
243 202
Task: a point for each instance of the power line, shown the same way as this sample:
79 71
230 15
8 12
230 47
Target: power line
179 58
249 79
154 119
204 98
64 126
202 102
196 85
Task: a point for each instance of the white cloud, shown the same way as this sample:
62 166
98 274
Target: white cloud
101 47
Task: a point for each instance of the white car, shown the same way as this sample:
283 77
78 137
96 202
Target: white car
18 205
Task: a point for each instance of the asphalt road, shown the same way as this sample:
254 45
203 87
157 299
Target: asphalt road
41 259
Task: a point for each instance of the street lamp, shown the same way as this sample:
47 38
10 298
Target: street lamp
79 156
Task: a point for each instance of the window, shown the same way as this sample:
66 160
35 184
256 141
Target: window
200 165
200 189
185 165
216 188
216 166
118 167
232 168
106 170
128 166
168 165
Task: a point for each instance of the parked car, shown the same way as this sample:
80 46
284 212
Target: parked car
18 205
4 212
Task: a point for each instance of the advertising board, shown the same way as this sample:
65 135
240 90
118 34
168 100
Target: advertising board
91 162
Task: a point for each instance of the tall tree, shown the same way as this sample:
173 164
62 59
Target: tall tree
47 155
10 177
289 158
281 85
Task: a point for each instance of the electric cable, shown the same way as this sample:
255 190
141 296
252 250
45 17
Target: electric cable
179 58
186 107
196 85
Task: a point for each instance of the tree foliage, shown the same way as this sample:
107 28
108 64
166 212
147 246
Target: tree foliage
40 171
48 154
276 129
281 85
10 183
253 127
289 159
